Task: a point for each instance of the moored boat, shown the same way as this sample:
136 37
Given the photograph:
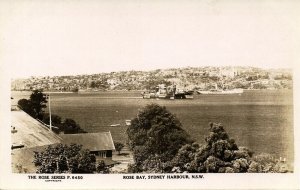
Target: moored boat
215 91
170 92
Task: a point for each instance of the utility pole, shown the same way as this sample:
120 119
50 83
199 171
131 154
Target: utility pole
50 122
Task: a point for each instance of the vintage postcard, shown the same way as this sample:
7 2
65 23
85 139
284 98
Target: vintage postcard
144 94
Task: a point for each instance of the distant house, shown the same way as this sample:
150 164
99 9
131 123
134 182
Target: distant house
99 144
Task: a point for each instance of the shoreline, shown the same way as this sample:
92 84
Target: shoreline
128 91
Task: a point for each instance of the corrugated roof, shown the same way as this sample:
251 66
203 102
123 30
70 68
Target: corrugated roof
29 132
91 141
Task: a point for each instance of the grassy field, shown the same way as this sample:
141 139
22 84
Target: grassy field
259 120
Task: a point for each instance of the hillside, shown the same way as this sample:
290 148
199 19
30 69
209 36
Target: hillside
190 78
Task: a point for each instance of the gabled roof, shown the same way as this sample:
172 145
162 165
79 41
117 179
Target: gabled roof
91 141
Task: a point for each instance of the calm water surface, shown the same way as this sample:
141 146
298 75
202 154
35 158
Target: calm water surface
260 120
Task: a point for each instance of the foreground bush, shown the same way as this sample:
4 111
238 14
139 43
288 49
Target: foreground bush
67 159
219 154
265 163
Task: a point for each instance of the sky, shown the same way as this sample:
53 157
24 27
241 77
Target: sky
41 38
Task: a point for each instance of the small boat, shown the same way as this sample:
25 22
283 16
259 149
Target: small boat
15 146
115 125
128 122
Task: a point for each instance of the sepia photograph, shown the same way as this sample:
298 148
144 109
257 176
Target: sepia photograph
149 94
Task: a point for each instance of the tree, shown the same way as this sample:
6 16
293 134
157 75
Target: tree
75 89
102 168
155 134
119 146
26 106
38 102
69 126
93 84
184 157
35 105
219 154
265 163
65 159
56 121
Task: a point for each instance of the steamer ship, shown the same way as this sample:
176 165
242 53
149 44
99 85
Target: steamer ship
168 92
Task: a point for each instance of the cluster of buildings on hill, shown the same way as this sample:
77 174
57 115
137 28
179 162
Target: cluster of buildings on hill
189 78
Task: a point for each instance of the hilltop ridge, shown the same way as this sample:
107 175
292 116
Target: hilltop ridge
191 78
